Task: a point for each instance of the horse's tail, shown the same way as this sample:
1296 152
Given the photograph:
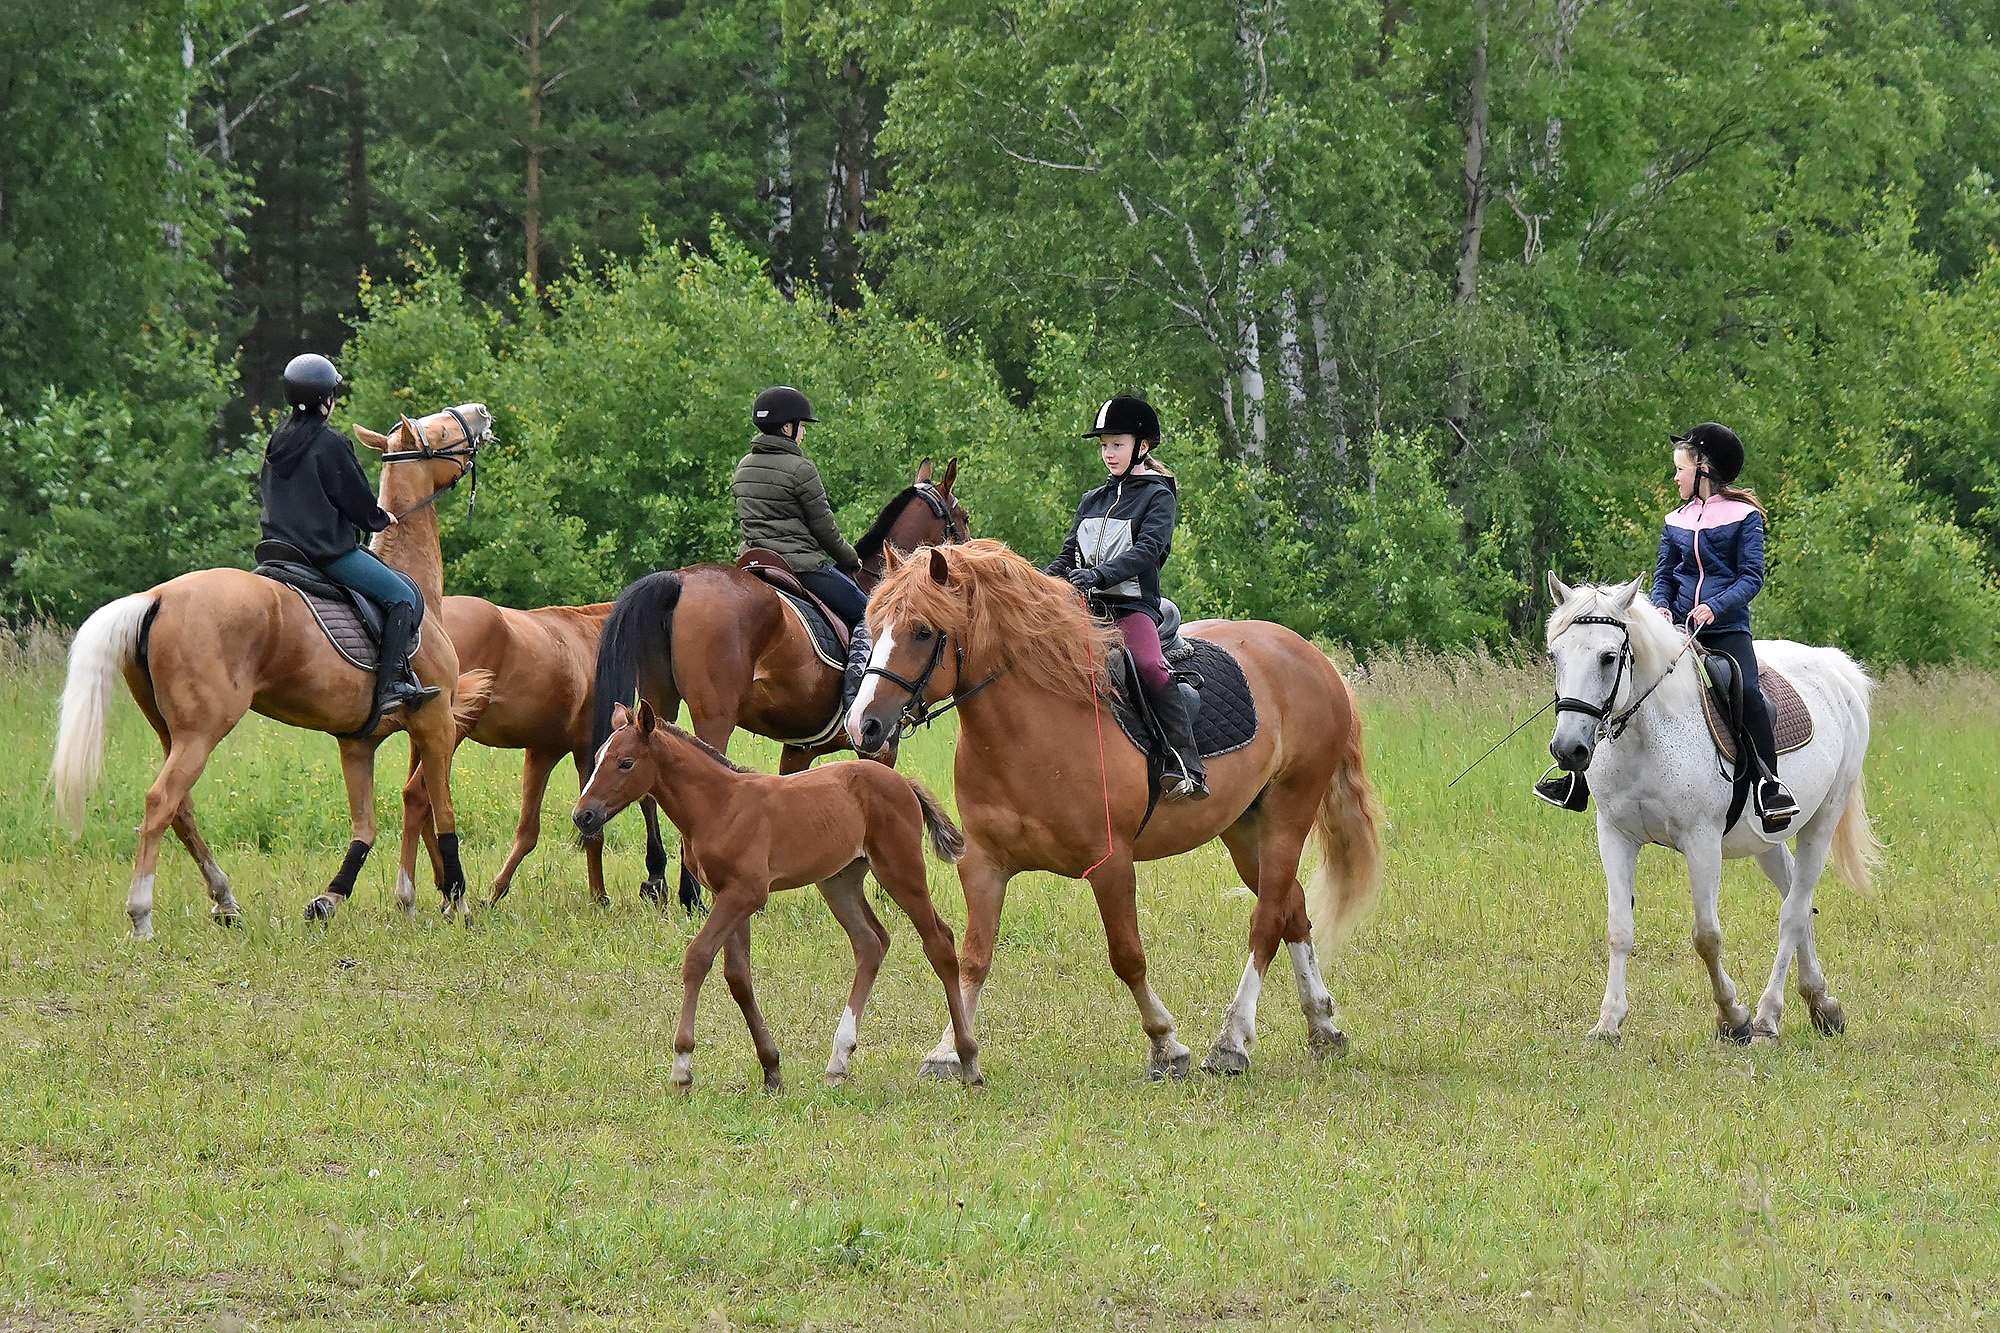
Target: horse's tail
107 644
1349 827
470 699
946 841
637 642
1856 850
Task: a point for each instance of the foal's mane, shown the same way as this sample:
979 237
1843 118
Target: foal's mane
871 541
1005 612
664 730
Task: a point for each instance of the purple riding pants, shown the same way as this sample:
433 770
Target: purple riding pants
1142 640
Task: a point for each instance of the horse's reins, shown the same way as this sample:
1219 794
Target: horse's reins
465 454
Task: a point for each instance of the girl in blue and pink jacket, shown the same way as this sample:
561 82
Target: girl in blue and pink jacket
1711 564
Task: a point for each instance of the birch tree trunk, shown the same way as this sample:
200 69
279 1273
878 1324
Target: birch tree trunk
1478 192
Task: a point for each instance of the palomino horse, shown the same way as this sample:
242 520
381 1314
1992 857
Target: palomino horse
1047 782
725 643
1629 712
200 651
748 834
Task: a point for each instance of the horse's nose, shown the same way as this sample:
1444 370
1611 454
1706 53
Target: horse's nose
1573 758
871 735
586 821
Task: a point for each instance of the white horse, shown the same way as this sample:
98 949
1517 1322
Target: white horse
1629 711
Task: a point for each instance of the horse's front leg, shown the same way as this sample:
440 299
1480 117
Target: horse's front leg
433 740
984 883
731 911
1620 855
1116 887
357 770
1732 1020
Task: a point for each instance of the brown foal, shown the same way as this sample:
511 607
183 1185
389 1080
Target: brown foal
200 651
749 834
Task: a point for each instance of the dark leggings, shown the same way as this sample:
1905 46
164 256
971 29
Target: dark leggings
1736 645
842 595
1142 640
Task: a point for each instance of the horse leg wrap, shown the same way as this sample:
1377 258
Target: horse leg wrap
350 866
452 882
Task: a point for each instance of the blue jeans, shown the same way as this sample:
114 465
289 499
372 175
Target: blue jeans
842 595
361 570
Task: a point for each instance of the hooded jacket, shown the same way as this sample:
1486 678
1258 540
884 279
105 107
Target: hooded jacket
781 505
1711 552
1124 530
315 493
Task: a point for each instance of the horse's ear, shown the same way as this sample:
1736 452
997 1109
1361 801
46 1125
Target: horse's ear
1628 595
892 559
950 475
940 569
1558 590
923 471
416 437
648 719
621 716
373 439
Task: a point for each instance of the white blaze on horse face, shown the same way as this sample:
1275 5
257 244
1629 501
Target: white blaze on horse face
865 697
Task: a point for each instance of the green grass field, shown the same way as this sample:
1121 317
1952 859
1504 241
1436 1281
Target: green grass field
408 1123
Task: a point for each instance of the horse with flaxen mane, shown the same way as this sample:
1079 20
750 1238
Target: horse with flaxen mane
1045 781
724 642
200 651
750 834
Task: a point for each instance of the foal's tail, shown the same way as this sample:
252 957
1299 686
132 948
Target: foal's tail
636 646
946 841
1349 827
107 644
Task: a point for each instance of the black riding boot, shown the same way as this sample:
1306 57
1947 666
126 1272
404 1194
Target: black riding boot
1771 799
1564 791
1184 778
392 690
858 649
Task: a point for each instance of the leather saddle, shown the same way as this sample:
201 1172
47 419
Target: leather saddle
352 623
769 566
1722 707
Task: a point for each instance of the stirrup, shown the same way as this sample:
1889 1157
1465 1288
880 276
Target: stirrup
1183 787
403 695
1563 790
1776 807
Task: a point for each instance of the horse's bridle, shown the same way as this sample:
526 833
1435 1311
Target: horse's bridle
941 511
1610 725
917 711
465 453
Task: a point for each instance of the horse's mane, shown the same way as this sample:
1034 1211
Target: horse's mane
1654 640
871 541
1004 611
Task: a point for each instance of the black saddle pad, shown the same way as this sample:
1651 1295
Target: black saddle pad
825 642
1228 717
353 625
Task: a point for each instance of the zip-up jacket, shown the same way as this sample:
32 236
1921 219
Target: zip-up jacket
781 505
1711 552
314 492
1124 530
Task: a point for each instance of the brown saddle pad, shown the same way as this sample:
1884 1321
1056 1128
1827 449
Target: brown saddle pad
1793 721
769 566
345 630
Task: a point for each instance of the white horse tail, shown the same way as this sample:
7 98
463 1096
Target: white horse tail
1856 849
1349 829
104 647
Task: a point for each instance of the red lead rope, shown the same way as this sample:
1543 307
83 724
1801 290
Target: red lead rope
1103 775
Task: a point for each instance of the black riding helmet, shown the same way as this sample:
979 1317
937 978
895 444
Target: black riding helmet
777 405
310 380
1717 448
1126 415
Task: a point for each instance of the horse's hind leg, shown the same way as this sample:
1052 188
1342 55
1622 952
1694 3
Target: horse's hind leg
849 905
535 770
593 845
1268 860
223 909
357 769
898 864
416 829
166 801
1796 877
1732 1020
736 971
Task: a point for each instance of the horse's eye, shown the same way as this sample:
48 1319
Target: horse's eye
624 765
923 634
1606 659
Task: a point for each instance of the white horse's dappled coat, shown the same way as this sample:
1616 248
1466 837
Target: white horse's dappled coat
1658 782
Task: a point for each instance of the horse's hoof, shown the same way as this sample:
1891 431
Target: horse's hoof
773 1083
945 1068
1226 1060
1829 1017
1327 1045
654 891
1739 1034
1603 1036
1762 1034
972 1077
681 1087
142 927
836 1080
226 919
321 909
1176 1067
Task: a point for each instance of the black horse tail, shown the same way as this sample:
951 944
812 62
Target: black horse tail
635 652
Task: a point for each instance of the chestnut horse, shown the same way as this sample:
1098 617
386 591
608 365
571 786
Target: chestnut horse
750 834
722 641
1047 781
200 651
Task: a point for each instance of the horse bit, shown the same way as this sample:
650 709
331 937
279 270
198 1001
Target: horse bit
465 454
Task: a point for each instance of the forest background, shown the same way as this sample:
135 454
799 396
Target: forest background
1421 288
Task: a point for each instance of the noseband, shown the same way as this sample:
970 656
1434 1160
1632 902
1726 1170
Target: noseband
465 453
1610 725
917 711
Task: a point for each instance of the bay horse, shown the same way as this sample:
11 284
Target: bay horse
1045 781
1628 701
749 834
723 642
199 651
